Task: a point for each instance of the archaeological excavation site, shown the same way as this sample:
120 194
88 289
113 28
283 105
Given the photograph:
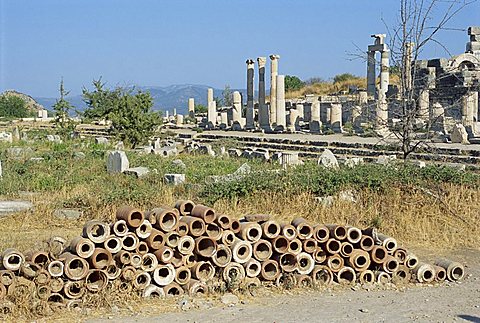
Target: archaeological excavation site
322 168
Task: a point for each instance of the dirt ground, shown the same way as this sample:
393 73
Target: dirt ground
445 302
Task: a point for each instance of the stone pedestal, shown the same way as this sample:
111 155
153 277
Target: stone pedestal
191 107
299 108
263 114
423 104
250 116
212 114
315 124
470 108
236 110
179 119
280 104
223 120
336 117
293 121
273 87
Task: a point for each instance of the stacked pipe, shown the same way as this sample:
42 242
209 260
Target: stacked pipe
189 248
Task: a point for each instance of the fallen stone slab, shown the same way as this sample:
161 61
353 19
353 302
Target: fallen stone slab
175 179
8 207
327 159
138 172
68 214
117 162
179 163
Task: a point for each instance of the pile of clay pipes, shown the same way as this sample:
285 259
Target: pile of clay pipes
185 249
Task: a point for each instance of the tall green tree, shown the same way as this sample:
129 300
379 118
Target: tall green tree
13 107
62 108
131 114
227 96
293 83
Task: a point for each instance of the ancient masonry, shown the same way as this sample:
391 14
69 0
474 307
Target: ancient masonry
445 92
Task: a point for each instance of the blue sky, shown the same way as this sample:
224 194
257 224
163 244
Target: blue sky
197 42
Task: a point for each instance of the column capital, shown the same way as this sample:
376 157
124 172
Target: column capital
261 61
250 62
274 57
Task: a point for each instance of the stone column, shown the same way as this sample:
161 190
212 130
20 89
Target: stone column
470 108
280 102
167 114
336 117
300 110
273 87
179 119
315 125
423 104
384 71
381 111
209 95
174 111
191 107
236 109
223 119
371 73
250 108
293 120
437 119
212 114
263 115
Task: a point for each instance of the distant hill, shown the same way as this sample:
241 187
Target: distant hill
32 104
165 98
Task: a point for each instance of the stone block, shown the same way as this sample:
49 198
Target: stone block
175 179
386 159
206 149
179 163
68 214
327 159
243 170
101 141
8 207
6 137
138 172
120 146
117 162
474 30
459 134
19 152
233 152
78 155
352 162
166 151
261 154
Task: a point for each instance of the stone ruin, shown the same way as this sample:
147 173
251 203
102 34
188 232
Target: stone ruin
446 94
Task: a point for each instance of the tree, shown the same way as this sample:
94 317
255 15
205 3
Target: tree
344 77
416 29
293 83
62 108
13 107
200 108
131 114
227 96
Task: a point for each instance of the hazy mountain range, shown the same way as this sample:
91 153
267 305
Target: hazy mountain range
165 98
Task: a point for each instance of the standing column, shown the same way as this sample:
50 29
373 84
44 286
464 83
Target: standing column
191 107
236 109
250 108
381 112
293 120
209 96
315 125
423 104
300 110
385 70
470 108
273 87
280 103
408 65
336 117
371 73
263 117
212 114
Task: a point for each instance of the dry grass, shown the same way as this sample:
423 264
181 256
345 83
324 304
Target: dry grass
413 217
326 88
